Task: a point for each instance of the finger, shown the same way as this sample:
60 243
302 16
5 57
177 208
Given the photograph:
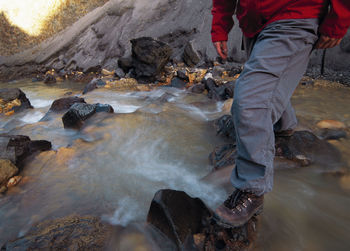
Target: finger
329 44
339 41
321 42
224 48
219 50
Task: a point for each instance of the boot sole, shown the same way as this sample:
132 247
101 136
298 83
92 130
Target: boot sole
224 224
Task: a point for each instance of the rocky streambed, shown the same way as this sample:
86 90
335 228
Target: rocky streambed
122 143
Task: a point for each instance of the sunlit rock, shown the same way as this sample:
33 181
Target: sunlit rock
13 100
14 181
331 124
190 224
227 106
7 171
69 233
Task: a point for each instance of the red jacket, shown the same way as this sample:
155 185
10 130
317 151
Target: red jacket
254 15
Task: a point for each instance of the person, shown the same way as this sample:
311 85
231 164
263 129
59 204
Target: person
279 37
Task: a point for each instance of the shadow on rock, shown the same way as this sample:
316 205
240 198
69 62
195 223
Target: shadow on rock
190 224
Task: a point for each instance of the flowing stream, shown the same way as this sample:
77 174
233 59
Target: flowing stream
113 166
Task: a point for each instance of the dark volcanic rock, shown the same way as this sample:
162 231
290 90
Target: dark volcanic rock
149 56
328 134
197 88
182 75
191 56
69 233
216 92
178 83
79 112
189 223
17 147
49 79
8 98
305 148
94 84
125 64
224 126
65 103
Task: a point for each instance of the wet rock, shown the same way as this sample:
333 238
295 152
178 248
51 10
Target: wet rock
217 92
188 222
65 103
69 233
331 124
18 147
149 56
218 71
224 126
7 171
49 79
182 75
79 112
306 148
197 88
234 71
191 56
223 156
106 72
227 106
177 83
13 100
94 84
329 134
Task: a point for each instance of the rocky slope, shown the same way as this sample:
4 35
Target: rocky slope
100 38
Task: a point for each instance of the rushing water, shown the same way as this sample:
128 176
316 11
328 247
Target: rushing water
161 139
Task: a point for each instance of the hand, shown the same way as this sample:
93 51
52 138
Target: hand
221 48
325 42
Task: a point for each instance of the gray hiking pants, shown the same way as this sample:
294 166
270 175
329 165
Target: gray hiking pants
278 58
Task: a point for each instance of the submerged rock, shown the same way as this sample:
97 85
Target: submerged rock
69 233
50 79
79 112
149 56
17 147
94 84
13 100
223 156
189 223
65 103
328 134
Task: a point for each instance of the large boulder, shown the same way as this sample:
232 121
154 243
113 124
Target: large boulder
149 56
190 224
17 147
69 233
79 112
13 100
7 171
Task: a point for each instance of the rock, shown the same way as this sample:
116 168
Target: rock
7 171
191 56
125 64
49 79
69 233
305 148
178 83
107 72
189 223
198 88
224 126
218 71
94 84
119 73
216 92
223 156
13 99
331 124
65 103
14 181
182 75
18 147
234 71
226 108
3 189
79 112
329 134
149 56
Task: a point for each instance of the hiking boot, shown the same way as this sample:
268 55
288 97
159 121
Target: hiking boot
239 208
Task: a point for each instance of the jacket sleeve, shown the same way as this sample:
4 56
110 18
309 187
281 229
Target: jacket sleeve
222 23
337 21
